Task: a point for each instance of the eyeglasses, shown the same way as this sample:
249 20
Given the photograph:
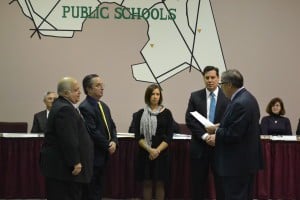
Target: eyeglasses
100 85
222 83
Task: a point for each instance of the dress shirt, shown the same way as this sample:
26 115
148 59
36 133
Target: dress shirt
47 114
208 97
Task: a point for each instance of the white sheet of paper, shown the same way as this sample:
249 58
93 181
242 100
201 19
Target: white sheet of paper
202 119
178 136
284 137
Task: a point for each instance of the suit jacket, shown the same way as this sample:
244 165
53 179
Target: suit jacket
89 108
66 143
298 128
198 102
238 147
39 122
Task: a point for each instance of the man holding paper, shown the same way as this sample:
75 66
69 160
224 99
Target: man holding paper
238 149
209 103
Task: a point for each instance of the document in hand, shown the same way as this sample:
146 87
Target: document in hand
202 119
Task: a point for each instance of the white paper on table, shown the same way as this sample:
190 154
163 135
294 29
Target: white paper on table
284 137
178 136
125 135
202 119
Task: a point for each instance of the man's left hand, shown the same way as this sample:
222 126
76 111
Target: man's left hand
112 147
211 140
211 129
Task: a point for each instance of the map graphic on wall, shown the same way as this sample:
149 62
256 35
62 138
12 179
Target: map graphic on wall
182 33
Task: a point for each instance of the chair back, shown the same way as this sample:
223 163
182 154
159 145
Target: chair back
184 129
13 127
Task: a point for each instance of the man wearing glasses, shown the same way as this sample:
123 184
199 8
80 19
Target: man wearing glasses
238 149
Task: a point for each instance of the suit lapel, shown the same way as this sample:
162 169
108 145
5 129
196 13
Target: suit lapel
203 98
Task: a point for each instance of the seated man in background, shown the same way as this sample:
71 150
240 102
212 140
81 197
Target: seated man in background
298 128
40 118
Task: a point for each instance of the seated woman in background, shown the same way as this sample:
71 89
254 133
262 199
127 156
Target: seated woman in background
275 123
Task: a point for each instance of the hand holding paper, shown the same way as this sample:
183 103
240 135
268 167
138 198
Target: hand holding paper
210 127
202 119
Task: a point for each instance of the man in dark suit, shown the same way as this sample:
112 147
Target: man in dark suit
67 152
101 128
40 118
298 128
237 140
202 153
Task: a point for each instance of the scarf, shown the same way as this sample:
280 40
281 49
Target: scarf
149 123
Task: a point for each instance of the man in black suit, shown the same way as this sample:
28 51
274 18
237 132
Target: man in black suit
67 152
298 128
237 140
101 128
40 118
202 153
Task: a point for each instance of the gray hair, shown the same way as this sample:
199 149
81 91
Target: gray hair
234 77
65 84
47 93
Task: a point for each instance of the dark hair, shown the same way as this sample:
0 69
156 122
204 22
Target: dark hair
210 68
234 77
87 82
272 103
149 91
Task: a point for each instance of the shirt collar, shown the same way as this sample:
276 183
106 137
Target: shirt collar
75 105
92 100
216 91
234 94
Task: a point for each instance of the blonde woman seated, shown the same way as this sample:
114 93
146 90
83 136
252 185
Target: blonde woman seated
275 123
153 132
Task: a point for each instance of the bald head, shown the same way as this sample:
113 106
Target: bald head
68 87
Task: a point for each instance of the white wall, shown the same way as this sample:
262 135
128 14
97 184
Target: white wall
259 38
